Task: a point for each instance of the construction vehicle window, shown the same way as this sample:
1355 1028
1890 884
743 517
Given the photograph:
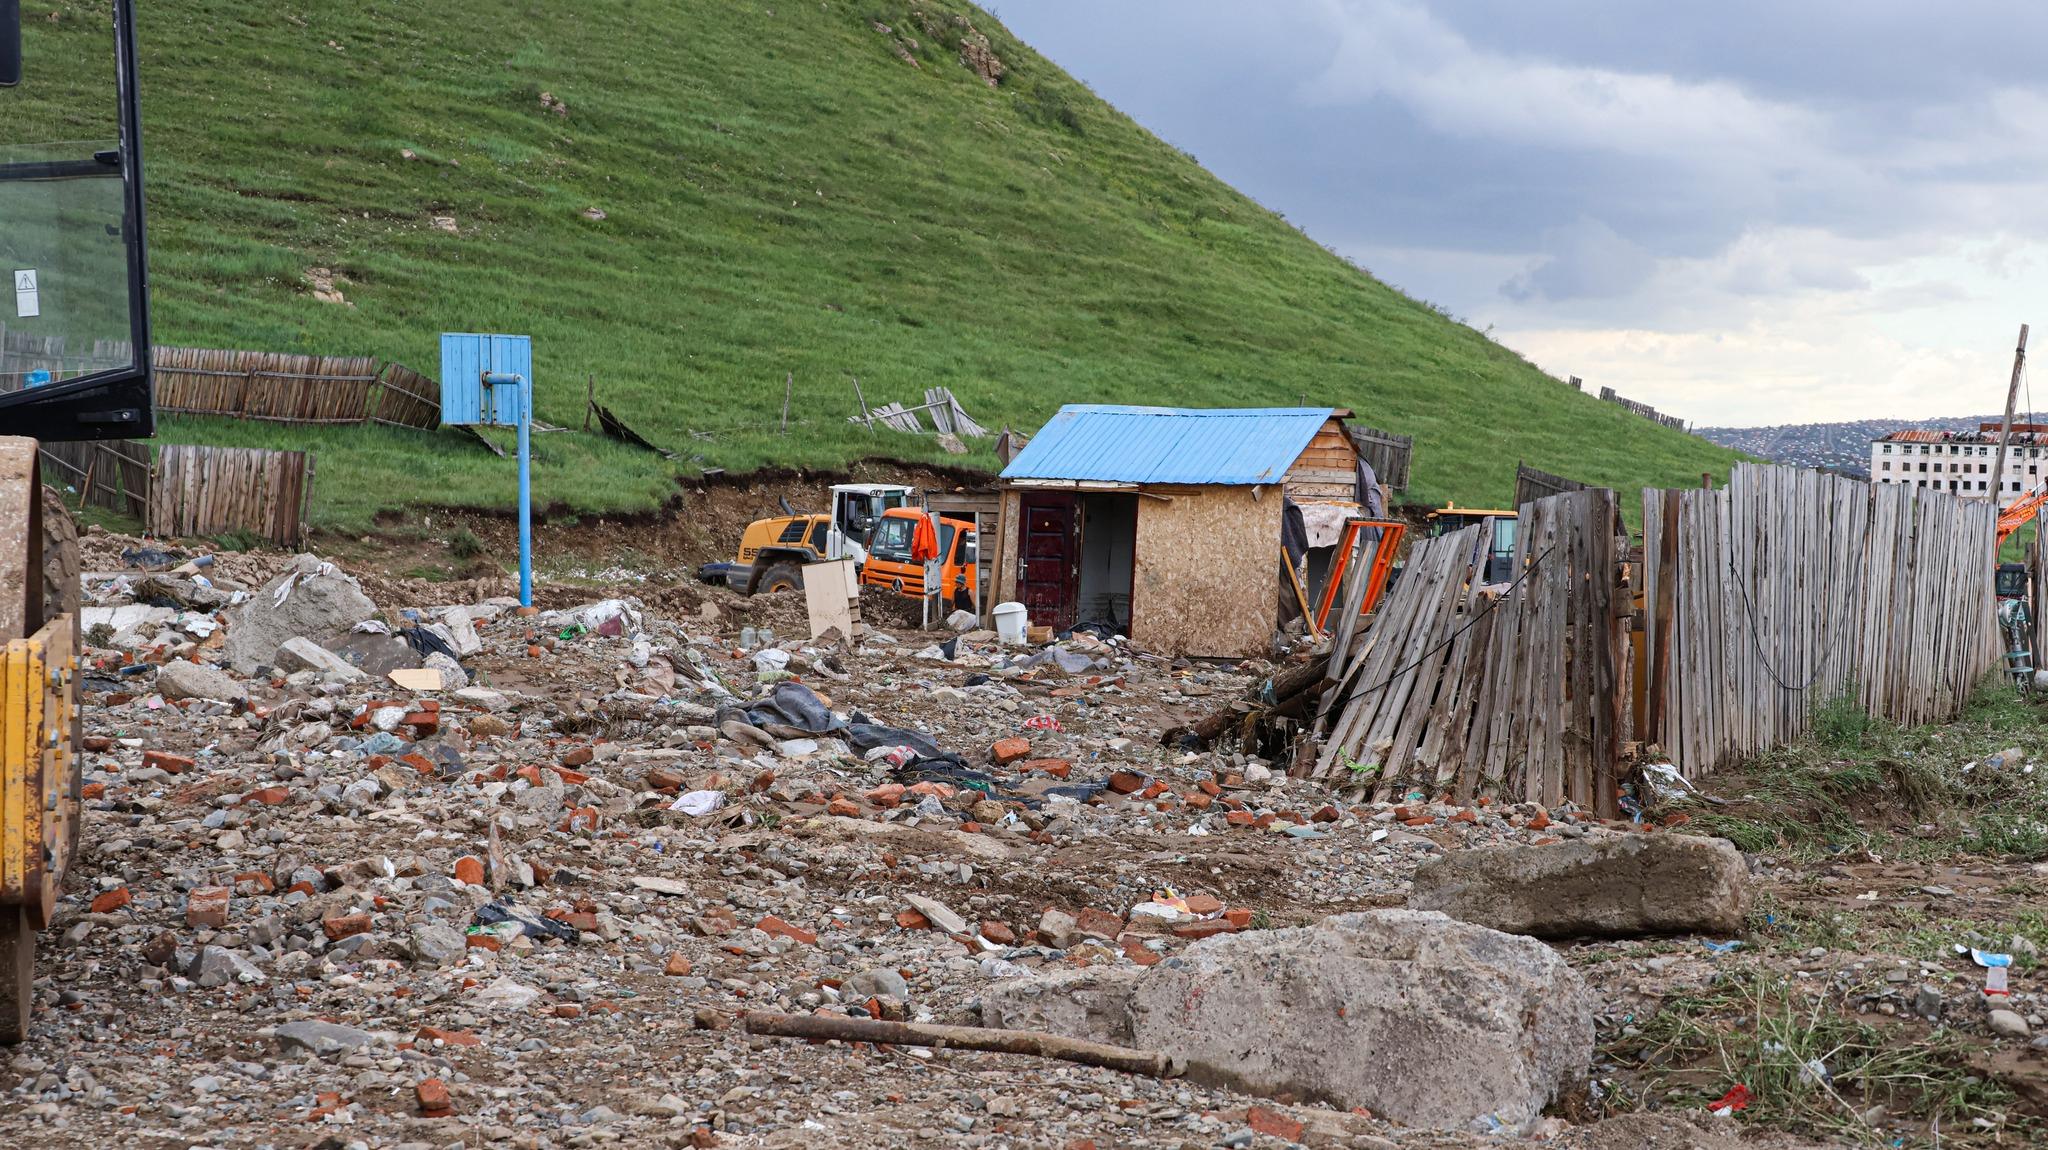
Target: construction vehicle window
967 553
73 291
892 539
946 531
818 533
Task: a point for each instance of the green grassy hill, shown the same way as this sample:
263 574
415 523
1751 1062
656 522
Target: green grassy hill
688 200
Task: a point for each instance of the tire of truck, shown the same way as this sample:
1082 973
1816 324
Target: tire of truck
780 577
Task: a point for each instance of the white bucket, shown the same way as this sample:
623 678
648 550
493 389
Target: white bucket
1012 620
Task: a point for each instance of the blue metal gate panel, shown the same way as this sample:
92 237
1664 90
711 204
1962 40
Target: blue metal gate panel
465 359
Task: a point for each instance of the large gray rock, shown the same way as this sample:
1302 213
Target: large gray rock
320 606
1422 1019
435 944
299 653
181 679
1617 885
326 1039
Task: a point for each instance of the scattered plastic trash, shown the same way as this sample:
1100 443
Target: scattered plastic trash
1041 723
1814 1072
1728 947
1995 968
1737 1098
506 994
697 804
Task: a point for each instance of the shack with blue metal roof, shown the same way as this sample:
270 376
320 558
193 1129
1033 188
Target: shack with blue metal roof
1164 523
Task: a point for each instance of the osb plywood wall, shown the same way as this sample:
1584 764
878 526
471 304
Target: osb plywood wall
1208 572
1005 561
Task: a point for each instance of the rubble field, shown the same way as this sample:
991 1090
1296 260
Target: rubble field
528 906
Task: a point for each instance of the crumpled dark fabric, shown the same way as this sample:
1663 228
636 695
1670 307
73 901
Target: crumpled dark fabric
530 925
425 642
795 705
866 736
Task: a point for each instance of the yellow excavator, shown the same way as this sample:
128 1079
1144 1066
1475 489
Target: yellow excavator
74 365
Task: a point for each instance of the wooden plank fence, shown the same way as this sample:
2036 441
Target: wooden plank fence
1518 696
301 389
114 474
1789 588
1388 453
1531 484
214 490
408 399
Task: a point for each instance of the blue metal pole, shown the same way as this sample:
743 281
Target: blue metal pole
525 511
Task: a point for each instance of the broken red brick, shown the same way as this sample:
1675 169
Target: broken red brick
663 779
568 1010
578 756
1007 751
433 1098
1240 818
843 807
1203 903
92 791
110 901
207 906
886 795
571 778
1420 822
912 920
1096 923
423 723
1328 814
762 782
469 869
342 926
1238 917
447 1037
268 796
773 925
96 743
1134 948
581 819
715 921
483 942
936 790
1209 787
167 762
1125 782
677 964
1273 1124
254 882
1157 788
998 932
1204 928
1198 800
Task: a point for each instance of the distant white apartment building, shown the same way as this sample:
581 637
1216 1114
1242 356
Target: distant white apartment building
1961 461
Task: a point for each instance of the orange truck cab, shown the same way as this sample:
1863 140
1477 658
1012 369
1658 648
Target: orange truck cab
905 537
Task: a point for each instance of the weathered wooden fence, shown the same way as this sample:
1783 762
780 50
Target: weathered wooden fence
1520 695
1531 484
114 474
1789 588
305 389
408 399
212 490
1388 453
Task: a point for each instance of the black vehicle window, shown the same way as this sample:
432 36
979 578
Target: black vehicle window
892 539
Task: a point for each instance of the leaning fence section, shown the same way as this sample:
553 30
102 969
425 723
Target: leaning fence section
1512 692
1789 588
112 474
214 490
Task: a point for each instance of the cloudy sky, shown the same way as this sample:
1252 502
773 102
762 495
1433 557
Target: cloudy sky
1745 212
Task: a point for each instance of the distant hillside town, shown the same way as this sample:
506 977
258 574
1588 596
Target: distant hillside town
1844 448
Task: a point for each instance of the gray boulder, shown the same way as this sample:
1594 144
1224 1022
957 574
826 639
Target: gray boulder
434 944
180 679
218 966
1618 885
320 603
1427 1021
326 1039
302 654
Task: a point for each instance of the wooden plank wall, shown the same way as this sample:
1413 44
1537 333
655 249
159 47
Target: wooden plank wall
408 399
1520 696
1788 588
213 490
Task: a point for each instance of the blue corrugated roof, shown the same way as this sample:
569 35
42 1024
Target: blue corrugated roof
1114 444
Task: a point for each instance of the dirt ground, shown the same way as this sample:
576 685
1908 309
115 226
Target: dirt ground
361 872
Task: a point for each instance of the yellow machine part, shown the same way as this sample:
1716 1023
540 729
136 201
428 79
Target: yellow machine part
39 769
779 532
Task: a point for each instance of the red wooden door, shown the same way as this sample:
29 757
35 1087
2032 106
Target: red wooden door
1049 573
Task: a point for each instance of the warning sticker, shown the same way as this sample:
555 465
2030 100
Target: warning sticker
28 299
